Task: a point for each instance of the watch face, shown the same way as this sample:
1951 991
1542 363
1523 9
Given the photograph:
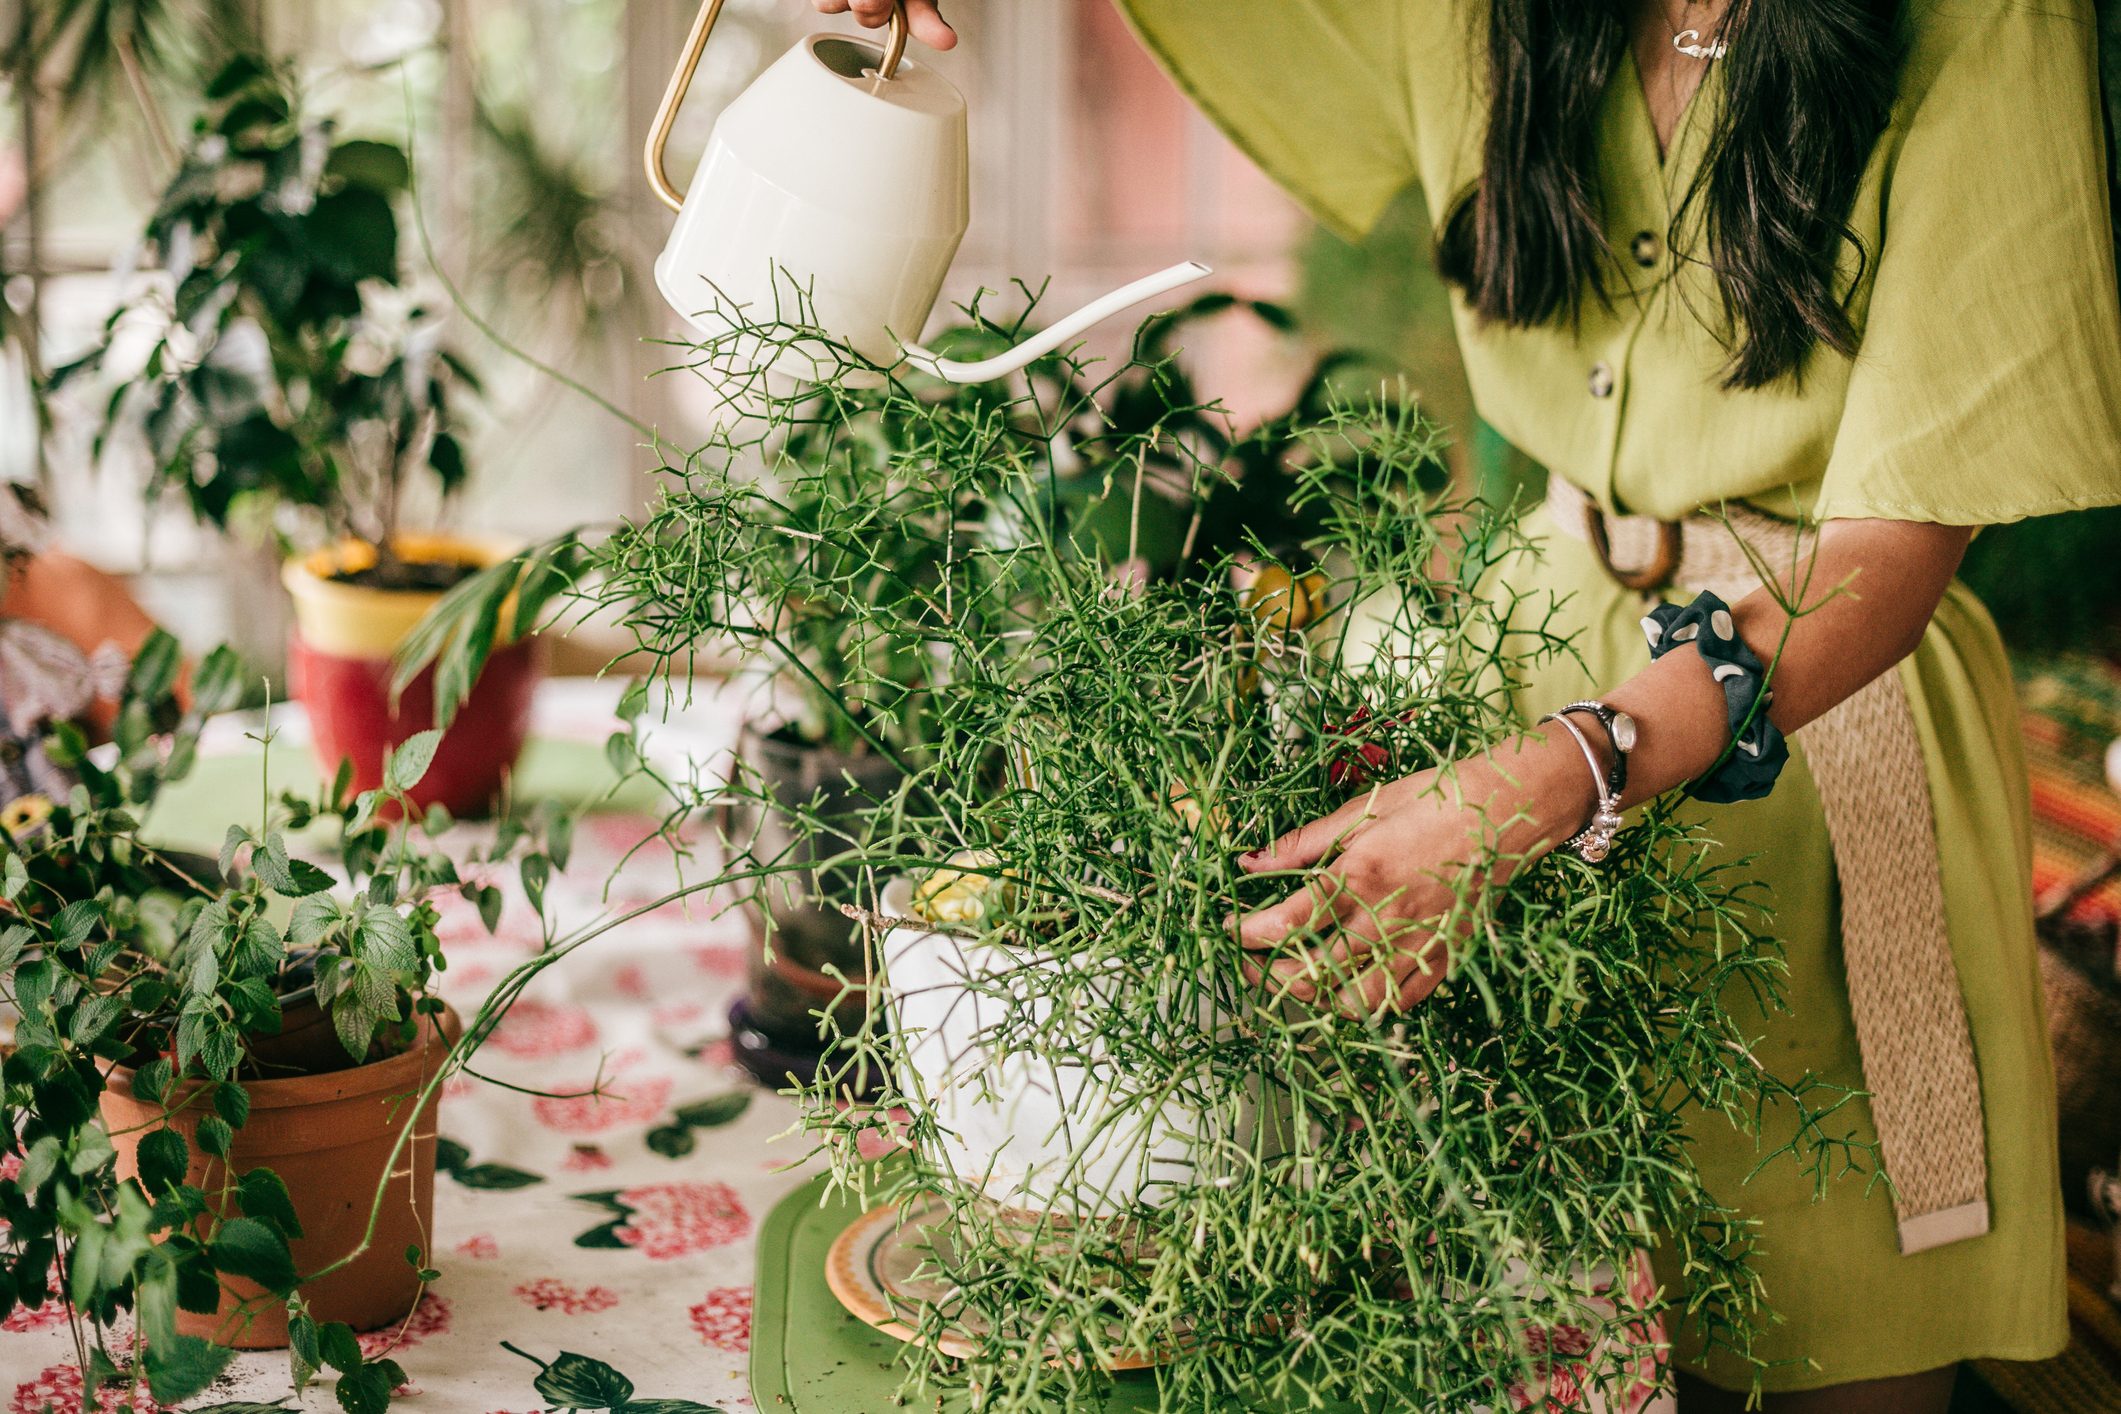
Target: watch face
1624 732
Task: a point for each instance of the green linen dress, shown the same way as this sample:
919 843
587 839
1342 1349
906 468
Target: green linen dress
1987 389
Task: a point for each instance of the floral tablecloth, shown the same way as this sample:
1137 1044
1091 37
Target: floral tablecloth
617 1225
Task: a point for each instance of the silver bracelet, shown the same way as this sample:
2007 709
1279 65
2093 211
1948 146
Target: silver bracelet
1594 841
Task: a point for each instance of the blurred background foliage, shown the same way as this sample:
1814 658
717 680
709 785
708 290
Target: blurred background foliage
524 118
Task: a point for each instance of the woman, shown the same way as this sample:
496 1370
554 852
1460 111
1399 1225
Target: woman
1843 260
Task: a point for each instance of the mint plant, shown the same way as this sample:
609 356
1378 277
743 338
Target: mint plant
117 953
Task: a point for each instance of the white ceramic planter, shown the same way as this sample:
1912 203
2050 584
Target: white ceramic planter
1029 1132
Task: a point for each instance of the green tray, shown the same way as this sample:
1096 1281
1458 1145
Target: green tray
809 1356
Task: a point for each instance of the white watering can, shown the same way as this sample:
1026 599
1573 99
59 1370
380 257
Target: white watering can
838 183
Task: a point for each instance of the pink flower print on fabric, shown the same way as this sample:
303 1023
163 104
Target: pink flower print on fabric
534 1029
629 1100
59 1390
428 1319
672 1220
552 1294
480 1247
724 1319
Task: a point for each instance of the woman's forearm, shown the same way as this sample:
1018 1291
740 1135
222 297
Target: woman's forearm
1864 602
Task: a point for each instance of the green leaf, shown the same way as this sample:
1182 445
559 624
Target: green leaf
388 940
181 1366
410 760
94 1017
154 670
151 1081
336 1343
314 917
712 1113
218 684
497 1177
75 922
293 878
261 1194
164 1157
365 1390
376 165
490 905
353 235
13 941
672 1141
536 872
214 1134
619 752
232 1103
233 841
303 1357
574 1381
16 878
246 1247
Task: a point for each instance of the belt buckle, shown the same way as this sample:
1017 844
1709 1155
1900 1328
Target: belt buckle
1655 575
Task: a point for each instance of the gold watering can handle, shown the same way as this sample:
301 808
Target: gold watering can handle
666 112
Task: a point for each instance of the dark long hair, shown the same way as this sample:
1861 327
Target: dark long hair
1809 85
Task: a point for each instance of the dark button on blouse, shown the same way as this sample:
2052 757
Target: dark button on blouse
1602 380
1646 249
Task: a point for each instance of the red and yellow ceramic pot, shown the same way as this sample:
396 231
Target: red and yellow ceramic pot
339 665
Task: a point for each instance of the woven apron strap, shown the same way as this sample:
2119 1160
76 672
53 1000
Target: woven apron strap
1866 760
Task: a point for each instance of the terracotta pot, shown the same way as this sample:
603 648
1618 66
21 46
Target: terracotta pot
329 1138
339 668
774 1026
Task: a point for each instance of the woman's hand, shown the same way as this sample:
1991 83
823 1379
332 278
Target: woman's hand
1366 924
923 17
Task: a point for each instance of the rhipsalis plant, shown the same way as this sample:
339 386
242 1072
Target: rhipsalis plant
1276 1203
123 959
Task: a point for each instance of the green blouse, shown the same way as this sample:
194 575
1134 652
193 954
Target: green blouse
1987 386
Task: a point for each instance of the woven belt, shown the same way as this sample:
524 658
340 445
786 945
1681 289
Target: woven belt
1866 760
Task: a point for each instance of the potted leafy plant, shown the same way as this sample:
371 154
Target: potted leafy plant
218 1107
1119 1146
291 376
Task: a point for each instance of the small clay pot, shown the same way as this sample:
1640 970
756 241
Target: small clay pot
329 1138
774 1026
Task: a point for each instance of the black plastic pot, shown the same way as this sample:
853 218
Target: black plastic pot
795 969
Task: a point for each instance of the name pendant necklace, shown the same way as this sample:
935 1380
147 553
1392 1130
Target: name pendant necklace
1689 42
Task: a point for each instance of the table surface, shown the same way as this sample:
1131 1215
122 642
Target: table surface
620 1233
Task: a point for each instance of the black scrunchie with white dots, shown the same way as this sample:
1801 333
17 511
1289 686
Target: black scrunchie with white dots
1758 750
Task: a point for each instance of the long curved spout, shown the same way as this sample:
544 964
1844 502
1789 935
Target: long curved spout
1059 332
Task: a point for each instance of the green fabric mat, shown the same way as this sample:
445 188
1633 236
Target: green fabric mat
225 789
809 1356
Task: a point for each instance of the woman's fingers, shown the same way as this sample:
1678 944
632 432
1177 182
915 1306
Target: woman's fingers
1303 847
923 17
1301 912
